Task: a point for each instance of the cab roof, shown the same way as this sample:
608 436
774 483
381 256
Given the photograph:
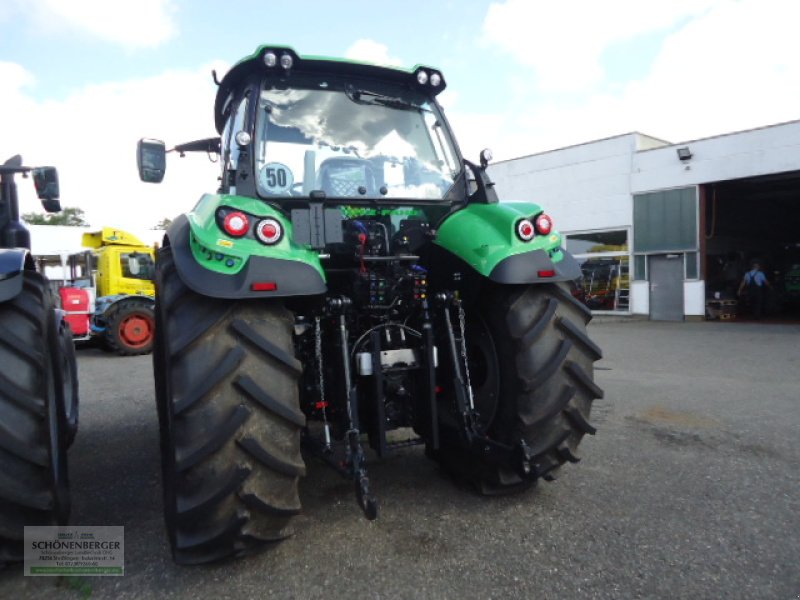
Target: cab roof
255 64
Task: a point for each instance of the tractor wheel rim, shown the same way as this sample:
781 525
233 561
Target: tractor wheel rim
136 331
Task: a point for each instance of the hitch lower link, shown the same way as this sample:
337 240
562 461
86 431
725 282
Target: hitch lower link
354 464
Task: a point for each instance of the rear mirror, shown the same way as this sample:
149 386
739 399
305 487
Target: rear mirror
45 180
151 160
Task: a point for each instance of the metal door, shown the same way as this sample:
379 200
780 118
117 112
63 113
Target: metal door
666 287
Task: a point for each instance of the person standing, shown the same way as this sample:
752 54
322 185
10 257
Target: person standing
756 284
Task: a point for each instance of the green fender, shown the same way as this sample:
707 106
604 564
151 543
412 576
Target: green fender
484 236
212 263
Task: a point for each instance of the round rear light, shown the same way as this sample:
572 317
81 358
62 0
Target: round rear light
269 231
236 224
525 230
544 224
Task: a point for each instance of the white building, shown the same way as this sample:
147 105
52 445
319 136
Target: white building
661 227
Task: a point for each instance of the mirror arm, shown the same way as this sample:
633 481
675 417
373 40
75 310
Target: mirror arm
485 194
212 145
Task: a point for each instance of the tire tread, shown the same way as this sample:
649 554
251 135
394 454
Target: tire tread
228 404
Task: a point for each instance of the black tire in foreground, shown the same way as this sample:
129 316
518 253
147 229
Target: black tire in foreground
130 325
228 406
533 375
67 372
33 445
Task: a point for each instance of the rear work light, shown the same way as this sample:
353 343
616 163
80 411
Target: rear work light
269 231
270 59
236 224
525 230
544 224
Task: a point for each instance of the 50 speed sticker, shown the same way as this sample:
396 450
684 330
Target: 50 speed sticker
276 178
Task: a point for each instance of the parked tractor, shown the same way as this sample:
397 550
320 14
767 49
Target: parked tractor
353 276
121 317
38 376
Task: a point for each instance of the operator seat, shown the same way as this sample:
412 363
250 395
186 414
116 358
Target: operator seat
343 176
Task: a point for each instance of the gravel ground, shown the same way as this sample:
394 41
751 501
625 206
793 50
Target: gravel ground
689 490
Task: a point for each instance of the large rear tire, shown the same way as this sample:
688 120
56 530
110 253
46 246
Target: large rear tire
129 327
532 373
228 405
67 373
33 446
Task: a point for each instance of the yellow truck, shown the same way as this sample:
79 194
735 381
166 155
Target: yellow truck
122 315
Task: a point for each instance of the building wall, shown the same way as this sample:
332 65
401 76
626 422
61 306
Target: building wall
751 153
591 186
582 187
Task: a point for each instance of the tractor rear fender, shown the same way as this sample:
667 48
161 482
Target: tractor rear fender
12 262
104 303
214 264
485 237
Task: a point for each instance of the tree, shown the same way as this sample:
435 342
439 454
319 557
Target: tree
163 223
71 216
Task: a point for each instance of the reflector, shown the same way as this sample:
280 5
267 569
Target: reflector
525 230
269 231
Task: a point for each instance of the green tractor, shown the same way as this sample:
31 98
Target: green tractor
38 376
352 277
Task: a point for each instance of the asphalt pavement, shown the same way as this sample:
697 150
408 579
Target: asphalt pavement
690 489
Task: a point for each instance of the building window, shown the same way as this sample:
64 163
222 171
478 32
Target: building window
598 242
691 265
640 267
605 260
665 221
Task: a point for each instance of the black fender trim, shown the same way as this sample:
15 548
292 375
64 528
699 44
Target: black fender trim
292 278
12 263
526 268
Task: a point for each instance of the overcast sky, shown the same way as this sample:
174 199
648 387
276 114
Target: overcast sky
82 80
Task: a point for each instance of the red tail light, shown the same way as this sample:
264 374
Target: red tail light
525 230
544 224
236 224
269 231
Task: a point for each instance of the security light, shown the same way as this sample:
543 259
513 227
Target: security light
684 153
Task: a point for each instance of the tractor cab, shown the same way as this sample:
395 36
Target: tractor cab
313 128
295 128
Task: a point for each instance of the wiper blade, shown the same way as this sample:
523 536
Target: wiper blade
371 98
